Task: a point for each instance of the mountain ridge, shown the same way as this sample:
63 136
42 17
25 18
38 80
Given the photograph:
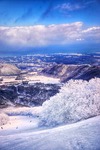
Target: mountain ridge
8 69
67 72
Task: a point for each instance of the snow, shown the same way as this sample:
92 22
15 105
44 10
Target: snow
17 124
84 135
77 100
33 128
42 79
3 118
8 69
31 78
23 111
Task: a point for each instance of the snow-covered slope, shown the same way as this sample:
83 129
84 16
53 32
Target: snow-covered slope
67 72
3 119
9 69
83 135
27 95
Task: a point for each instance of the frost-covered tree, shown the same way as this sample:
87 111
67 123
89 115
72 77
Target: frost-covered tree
77 100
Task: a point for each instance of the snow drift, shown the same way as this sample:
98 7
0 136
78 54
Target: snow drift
23 111
77 100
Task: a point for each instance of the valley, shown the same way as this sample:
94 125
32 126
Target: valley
40 98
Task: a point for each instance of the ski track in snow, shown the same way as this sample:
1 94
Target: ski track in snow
84 135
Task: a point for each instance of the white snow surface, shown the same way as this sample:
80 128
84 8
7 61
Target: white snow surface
3 118
23 111
84 135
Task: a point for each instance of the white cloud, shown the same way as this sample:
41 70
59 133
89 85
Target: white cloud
92 34
79 39
41 35
70 7
92 29
74 6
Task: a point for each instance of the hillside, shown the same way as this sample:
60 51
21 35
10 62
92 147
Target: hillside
67 72
8 69
34 94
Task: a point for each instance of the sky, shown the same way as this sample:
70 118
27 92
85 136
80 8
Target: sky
50 25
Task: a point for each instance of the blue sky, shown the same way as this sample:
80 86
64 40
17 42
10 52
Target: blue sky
25 24
30 12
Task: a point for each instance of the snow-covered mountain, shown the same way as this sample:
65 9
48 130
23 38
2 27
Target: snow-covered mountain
8 69
67 72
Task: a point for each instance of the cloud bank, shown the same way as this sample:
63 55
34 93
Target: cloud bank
41 35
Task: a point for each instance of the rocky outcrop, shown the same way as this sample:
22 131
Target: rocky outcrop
9 69
27 95
67 72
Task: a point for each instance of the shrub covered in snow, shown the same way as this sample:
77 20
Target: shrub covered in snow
77 100
3 119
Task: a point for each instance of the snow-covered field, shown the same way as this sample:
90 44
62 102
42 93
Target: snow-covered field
68 121
31 78
42 79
